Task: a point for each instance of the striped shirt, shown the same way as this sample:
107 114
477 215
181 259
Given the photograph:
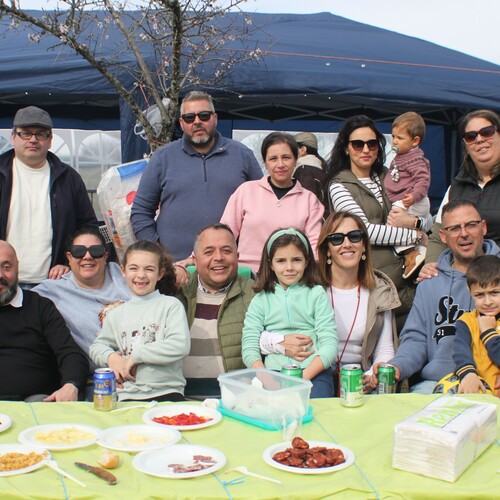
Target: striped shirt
379 234
205 357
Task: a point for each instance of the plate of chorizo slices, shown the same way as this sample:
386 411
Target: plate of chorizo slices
313 457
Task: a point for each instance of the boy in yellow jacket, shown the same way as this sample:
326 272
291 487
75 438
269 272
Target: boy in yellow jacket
476 349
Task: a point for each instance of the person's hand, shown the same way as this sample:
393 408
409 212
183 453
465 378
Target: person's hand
427 272
188 261
181 275
58 271
471 384
68 392
486 323
374 382
399 217
297 346
130 368
368 384
121 369
408 200
424 240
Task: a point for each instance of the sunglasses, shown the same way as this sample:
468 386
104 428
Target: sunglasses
486 133
359 145
204 116
95 251
337 239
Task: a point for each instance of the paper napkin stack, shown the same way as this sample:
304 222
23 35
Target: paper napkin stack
444 438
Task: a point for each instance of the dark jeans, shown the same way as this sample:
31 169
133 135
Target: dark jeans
322 385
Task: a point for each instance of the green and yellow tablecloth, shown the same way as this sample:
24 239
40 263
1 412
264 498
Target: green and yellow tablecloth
367 431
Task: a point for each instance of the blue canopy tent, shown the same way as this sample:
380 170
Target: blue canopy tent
318 70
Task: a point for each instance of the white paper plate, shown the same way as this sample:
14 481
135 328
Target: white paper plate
155 462
134 438
28 436
177 409
268 458
22 448
5 422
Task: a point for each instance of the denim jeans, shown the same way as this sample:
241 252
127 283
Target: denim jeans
322 384
423 387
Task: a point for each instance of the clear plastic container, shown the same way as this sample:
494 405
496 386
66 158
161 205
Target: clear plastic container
265 398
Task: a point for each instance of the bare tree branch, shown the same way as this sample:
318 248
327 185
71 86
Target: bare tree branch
175 45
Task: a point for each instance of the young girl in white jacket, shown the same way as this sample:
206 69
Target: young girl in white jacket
144 340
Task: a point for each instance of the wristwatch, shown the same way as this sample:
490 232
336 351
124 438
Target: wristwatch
418 223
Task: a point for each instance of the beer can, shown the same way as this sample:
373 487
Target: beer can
386 379
292 370
351 385
104 389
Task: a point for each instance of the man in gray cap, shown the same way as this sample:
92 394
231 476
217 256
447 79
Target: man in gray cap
42 200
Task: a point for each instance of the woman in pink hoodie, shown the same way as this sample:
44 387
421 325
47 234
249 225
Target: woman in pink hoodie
257 208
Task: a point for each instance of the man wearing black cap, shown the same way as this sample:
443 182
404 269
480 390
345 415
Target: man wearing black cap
42 200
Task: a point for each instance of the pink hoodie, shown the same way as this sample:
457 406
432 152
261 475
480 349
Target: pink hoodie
253 212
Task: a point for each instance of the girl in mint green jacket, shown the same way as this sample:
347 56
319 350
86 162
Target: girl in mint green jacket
290 300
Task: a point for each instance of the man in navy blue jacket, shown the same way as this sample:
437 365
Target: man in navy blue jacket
42 200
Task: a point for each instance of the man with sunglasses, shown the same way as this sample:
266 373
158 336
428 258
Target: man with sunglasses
426 342
39 360
191 179
42 200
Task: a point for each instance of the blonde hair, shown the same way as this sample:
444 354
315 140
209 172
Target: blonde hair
412 122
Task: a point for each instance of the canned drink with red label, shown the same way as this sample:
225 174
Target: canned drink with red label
104 389
351 385
386 379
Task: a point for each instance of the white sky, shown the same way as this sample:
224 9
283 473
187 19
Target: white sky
462 25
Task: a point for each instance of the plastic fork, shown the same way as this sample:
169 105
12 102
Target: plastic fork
245 471
151 404
52 464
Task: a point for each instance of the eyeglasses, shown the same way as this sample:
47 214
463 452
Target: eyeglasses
470 227
486 133
359 145
204 116
25 135
95 251
337 239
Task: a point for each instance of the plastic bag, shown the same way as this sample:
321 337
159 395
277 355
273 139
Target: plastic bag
116 193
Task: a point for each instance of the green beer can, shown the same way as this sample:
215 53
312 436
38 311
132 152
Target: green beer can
351 385
292 370
386 379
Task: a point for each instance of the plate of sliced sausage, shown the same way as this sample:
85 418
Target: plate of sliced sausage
313 457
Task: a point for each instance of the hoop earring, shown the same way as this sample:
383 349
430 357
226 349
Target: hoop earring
363 257
328 259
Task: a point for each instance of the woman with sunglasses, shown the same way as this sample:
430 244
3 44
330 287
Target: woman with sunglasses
477 181
363 299
92 286
277 200
354 184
